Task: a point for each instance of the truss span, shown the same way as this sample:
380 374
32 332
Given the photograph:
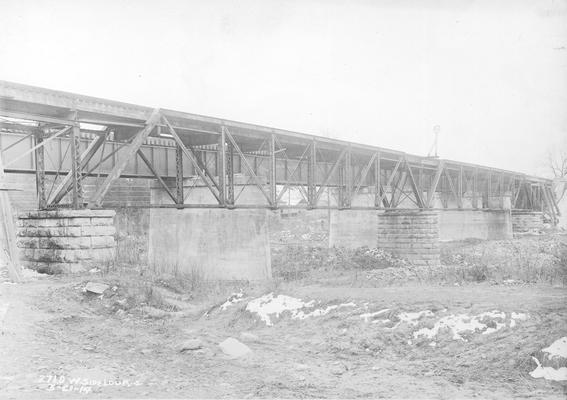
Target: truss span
69 137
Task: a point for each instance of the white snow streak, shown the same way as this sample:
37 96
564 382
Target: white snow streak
269 306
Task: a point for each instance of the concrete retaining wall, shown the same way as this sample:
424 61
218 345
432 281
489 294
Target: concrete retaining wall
211 243
478 224
132 235
66 241
353 228
413 235
527 221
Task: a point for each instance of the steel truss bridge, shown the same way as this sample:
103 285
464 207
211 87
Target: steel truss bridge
63 138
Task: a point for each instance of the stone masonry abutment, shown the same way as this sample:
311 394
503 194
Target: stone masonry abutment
527 221
66 241
412 235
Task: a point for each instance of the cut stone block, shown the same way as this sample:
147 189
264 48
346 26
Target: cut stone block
96 287
234 348
65 241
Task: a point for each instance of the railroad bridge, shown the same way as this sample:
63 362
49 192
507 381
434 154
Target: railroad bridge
199 190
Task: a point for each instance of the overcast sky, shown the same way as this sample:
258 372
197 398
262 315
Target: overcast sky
492 74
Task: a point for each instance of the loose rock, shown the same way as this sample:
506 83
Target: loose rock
191 344
338 369
234 348
96 288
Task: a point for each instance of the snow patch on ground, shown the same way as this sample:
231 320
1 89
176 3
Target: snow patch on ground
517 317
368 316
232 299
461 323
408 318
549 373
520 316
457 324
269 306
31 274
321 311
557 349
413 318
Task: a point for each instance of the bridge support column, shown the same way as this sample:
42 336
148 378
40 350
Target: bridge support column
353 228
412 235
527 221
210 243
66 241
475 224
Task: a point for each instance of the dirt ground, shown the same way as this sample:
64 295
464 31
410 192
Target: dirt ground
59 342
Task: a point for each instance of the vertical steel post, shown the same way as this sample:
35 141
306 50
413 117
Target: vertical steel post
77 192
489 189
377 180
475 188
179 174
348 178
460 187
517 190
501 190
340 186
222 166
444 196
40 170
230 175
273 189
420 181
311 171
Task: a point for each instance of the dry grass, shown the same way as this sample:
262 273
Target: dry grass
298 262
167 287
529 259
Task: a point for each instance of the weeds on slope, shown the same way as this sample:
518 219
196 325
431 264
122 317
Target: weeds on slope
157 289
541 259
297 262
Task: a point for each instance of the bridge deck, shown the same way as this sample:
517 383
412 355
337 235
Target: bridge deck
73 136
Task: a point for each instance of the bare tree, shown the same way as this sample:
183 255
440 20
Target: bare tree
557 163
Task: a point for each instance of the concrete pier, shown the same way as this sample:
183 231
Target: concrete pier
353 228
210 243
475 224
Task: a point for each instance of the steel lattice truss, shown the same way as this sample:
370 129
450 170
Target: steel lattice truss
69 137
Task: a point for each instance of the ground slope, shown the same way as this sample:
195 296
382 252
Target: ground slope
59 342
